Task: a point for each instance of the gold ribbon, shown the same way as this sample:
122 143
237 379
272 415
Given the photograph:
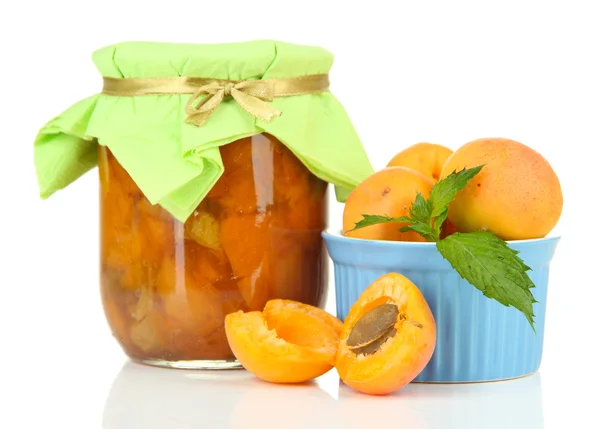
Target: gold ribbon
252 95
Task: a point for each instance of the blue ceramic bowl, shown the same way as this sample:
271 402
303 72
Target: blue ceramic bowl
478 339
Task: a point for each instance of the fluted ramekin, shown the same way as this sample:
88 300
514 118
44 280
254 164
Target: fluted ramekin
478 339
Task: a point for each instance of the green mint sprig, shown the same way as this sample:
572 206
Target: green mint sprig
481 258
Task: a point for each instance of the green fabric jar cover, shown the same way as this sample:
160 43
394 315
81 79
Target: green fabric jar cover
175 163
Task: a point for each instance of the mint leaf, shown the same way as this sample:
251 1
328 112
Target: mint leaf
491 266
421 228
420 210
444 192
446 189
438 222
369 220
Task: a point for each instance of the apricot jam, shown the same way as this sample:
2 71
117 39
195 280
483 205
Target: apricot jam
167 286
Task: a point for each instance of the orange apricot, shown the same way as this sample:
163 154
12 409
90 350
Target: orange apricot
426 158
390 192
388 337
288 342
517 194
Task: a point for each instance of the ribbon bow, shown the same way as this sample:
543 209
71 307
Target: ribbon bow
250 94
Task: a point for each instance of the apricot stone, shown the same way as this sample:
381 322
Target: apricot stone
516 196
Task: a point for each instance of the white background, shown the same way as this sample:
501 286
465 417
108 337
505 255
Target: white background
444 72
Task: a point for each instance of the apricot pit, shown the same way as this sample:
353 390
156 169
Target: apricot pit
373 329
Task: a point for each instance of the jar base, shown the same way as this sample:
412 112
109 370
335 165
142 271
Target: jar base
192 364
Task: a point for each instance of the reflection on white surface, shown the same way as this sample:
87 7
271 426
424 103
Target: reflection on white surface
506 404
152 398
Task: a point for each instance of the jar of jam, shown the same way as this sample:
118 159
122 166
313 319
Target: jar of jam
167 285
213 165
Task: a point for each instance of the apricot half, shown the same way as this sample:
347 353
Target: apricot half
516 195
426 158
288 342
283 314
388 337
390 192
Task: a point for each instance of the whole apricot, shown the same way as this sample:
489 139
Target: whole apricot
388 337
426 158
390 192
516 196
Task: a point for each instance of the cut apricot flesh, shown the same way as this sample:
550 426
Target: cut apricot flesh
288 342
279 310
388 337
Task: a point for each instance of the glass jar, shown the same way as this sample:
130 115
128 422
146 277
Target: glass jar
167 286
171 272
